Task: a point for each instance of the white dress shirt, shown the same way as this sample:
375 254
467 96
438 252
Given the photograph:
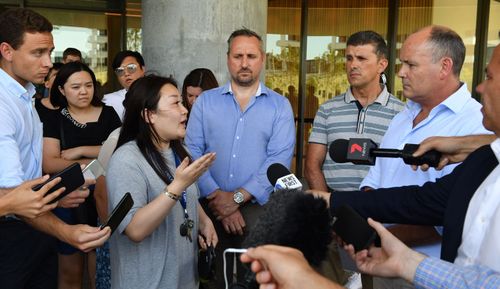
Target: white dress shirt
458 115
115 99
21 133
481 234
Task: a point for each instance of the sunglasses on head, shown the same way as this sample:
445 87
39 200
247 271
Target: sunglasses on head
131 68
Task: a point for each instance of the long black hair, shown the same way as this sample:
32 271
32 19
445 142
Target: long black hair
143 96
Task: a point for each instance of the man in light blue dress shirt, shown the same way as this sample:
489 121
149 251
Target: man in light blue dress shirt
27 256
439 104
249 127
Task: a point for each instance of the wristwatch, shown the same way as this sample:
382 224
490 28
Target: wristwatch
238 197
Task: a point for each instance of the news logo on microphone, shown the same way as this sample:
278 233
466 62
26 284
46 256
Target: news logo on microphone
359 151
288 182
282 179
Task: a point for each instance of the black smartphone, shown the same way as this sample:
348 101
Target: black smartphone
119 212
71 179
353 229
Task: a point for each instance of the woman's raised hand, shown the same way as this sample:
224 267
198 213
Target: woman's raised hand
187 173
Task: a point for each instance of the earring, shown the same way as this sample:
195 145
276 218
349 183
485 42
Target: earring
383 78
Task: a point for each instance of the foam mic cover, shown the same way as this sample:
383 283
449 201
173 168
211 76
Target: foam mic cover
276 171
338 150
295 219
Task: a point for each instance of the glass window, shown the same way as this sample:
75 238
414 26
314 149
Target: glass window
493 28
459 15
85 31
134 31
283 50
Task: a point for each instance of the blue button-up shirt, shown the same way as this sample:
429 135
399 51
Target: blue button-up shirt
246 142
20 133
435 273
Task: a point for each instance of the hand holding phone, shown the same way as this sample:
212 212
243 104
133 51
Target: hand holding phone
119 212
71 179
353 229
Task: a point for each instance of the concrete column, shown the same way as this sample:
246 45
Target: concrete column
181 35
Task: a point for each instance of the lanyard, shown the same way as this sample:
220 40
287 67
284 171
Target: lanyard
183 199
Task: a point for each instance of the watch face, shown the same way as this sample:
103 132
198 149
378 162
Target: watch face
238 197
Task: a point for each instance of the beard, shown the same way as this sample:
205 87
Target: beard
244 81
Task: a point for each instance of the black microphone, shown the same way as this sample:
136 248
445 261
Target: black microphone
294 219
281 178
362 151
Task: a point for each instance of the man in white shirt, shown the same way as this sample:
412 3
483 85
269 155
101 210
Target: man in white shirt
128 66
465 202
439 104
27 256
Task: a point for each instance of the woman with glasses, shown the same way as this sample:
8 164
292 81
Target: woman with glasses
156 244
75 134
128 66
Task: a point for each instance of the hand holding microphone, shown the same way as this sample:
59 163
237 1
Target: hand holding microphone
454 149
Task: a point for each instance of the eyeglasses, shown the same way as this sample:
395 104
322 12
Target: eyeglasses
131 68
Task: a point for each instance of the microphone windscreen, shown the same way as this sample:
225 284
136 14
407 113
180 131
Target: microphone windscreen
295 219
338 150
276 171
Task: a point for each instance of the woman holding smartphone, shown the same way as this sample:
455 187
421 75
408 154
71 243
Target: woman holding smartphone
72 134
156 244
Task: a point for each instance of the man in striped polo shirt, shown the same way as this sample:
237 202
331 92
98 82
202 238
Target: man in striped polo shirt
364 110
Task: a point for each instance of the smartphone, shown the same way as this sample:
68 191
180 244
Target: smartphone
93 170
119 212
353 229
71 179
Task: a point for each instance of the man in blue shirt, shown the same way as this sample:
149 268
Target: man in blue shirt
27 256
249 127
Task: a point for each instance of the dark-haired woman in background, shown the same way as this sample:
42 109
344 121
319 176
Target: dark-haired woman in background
197 81
156 244
75 135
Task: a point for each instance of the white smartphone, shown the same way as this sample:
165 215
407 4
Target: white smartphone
93 170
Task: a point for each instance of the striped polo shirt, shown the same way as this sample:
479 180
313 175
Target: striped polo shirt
343 117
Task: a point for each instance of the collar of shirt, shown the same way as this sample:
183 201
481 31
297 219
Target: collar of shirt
261 90
455 102
382 98
495 146
15 88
